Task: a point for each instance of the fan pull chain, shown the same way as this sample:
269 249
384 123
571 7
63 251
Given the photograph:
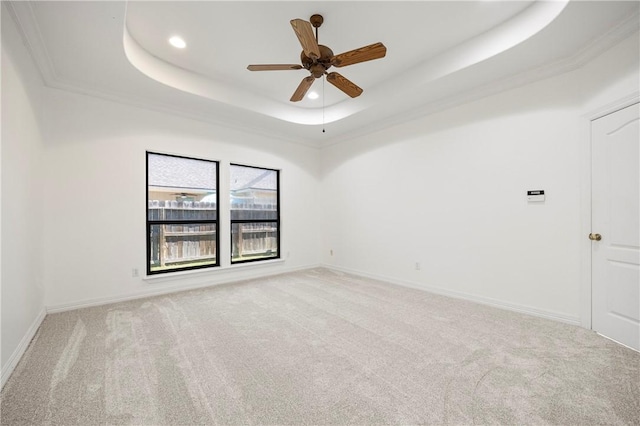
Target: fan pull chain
323 79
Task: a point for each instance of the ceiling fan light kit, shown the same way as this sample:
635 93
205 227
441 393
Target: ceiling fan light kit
317 59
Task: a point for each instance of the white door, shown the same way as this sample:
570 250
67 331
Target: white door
615 226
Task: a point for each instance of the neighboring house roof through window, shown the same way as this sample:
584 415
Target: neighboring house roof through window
179 172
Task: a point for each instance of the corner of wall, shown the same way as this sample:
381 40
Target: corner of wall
22 176
12 362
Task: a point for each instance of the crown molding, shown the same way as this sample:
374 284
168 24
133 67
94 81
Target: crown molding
589 52
169 109
611 107
24 17
22 14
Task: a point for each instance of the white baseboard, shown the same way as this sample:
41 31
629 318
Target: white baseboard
22 347
555 316
253 270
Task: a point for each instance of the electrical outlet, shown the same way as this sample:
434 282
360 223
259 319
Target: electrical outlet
134 272
418 266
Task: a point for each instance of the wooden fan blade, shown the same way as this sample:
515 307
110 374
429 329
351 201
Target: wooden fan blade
343 84
363 54
274 67
302 89
304 32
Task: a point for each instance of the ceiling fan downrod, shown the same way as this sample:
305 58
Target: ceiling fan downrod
316 20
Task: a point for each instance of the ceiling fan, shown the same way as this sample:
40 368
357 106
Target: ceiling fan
317 59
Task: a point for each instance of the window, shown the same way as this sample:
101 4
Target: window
255 213
182 213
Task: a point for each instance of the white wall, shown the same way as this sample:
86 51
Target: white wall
95 197
22 199
449 191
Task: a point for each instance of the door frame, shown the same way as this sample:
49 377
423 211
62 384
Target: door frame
585 203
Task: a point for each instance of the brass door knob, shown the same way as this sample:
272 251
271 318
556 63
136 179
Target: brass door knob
595 237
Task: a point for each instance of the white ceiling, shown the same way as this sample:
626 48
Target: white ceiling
439 54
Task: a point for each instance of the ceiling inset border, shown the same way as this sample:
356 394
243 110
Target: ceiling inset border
493 42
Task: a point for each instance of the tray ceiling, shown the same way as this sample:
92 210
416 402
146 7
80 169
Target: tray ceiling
438 54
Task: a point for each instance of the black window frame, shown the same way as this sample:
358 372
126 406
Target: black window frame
277 220
153 222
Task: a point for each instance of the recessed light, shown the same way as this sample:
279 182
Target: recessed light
313 95
177 42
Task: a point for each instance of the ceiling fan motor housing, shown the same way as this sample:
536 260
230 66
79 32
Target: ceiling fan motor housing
319 66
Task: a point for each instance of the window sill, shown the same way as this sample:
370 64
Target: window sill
169 276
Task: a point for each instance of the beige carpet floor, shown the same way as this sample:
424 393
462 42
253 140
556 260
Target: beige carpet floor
317 347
